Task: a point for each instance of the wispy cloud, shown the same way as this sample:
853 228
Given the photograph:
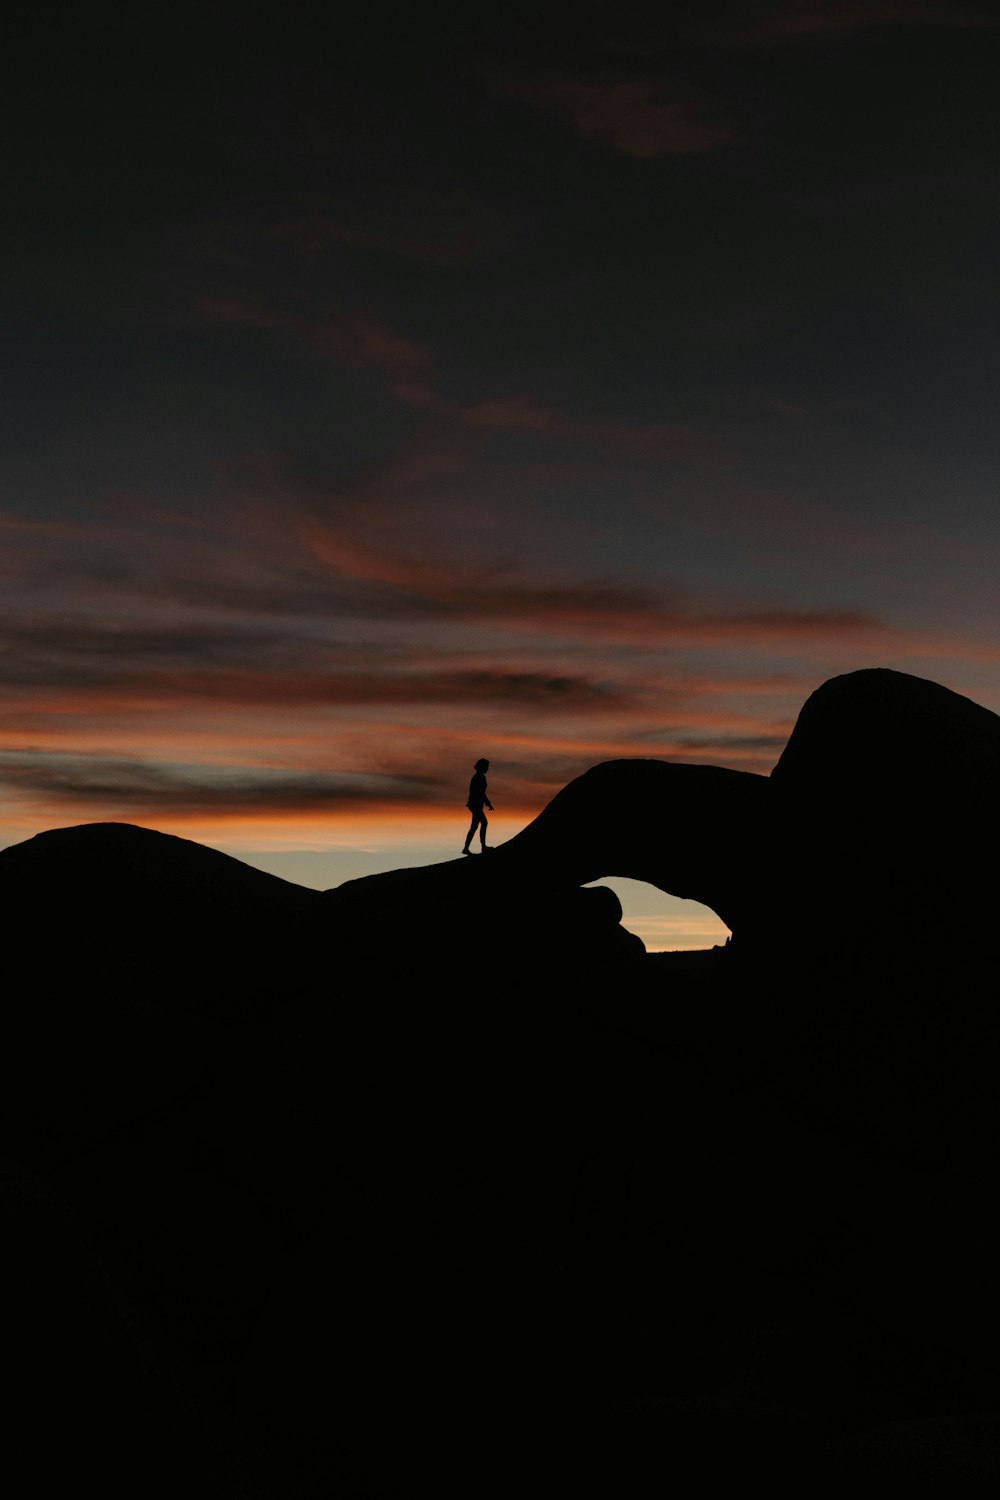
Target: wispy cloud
128 785
357 339
650 443
416 222
641 116
764 21
411 588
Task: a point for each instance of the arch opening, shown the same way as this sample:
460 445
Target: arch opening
666 924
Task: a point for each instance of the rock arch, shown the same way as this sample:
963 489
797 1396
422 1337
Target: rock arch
698 832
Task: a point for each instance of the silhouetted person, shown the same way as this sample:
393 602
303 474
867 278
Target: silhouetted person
477 800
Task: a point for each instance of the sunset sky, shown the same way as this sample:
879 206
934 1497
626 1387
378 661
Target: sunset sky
542 383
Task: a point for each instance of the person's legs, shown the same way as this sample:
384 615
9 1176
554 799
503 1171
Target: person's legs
472 828
482 829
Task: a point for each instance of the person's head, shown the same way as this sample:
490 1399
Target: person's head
481 765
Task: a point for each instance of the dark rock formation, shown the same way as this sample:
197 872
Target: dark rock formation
888 784
445 1139
113 885
135 867
888 795
488 916
696 831
868 732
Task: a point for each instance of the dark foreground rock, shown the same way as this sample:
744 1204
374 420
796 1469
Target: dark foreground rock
436 1179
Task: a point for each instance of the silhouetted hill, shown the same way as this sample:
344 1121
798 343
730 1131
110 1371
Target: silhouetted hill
119 862
887 730
887 798
145 913
437 1174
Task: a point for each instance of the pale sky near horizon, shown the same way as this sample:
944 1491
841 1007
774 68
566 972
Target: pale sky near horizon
389 389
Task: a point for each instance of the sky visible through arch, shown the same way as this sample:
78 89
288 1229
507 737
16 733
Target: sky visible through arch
384 391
